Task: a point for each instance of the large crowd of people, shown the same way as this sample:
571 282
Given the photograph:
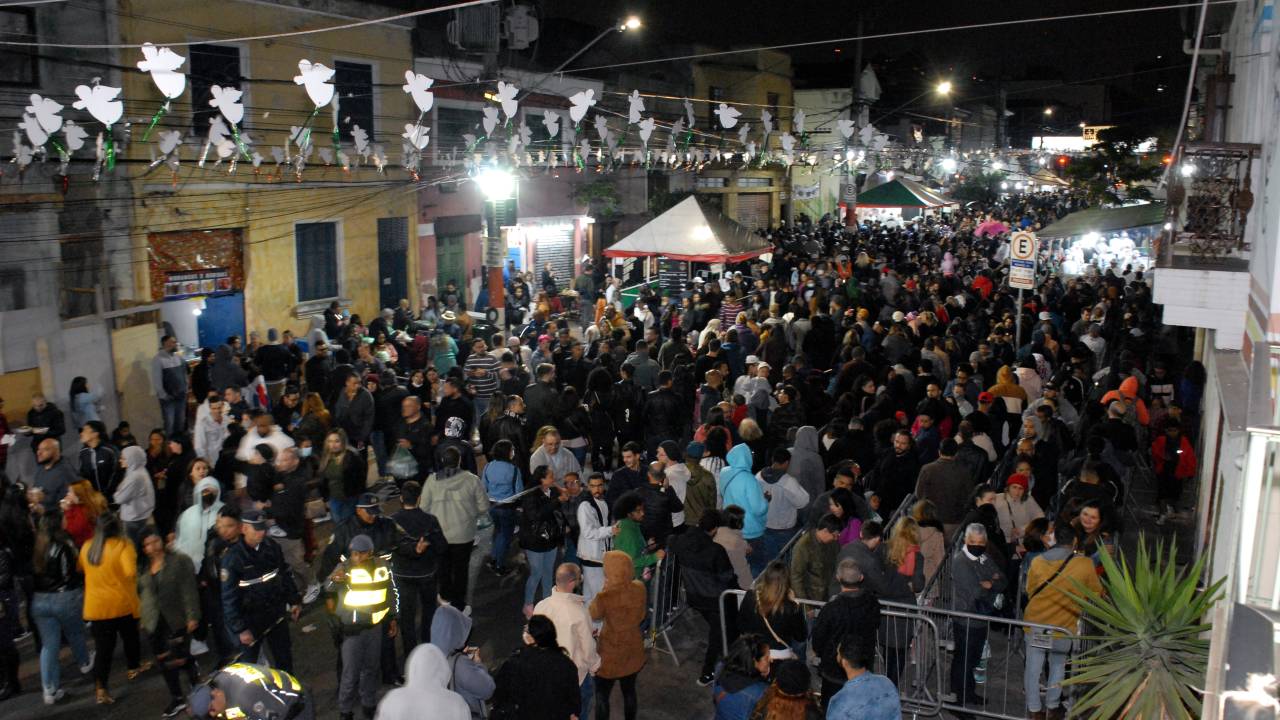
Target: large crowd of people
837 426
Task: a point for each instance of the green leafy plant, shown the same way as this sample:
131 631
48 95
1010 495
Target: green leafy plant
600 197
1148 656
978 187
1113 171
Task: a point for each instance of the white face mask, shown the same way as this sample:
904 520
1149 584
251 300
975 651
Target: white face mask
304 452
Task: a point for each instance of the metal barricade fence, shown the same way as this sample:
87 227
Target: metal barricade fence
925 643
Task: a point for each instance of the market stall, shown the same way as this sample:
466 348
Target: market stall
1101 236
900 199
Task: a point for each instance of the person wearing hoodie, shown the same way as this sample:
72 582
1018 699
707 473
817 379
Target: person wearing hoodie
415 565
135 495
225 371
450 630
1128 394
427 689
539 681
700 489
621 607
194 524
786 500
1014 399
457 498
806 461
738 486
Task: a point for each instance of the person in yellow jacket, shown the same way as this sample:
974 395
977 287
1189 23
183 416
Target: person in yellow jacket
110 566
1053 581
362 596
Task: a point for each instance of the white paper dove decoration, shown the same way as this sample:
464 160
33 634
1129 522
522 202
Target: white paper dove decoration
581 102
419 88
417 136
602 127
797 122
22 155
257 159
315 78
326 155
636 109
507 98
360 138
728 116
688 111
742 132
865 134
162 64
169 141
551 121
469 140
646 130
225 148
584 150
75 136
751 151
879 142
845 127
100 101
490 121
227 100
217 130
47 113
36 135
277 154
766 121
788 143
526 135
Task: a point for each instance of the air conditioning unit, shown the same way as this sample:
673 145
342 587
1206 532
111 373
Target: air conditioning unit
476 29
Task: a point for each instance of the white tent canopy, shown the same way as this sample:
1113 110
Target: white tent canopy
692 230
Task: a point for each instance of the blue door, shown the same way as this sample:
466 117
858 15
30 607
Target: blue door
223 317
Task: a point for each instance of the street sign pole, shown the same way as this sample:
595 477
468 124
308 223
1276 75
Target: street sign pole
1017 329
1022 272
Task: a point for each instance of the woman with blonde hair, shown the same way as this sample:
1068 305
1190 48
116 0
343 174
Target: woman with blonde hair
342 473
770 610
315 421
81 508
905 554
930 536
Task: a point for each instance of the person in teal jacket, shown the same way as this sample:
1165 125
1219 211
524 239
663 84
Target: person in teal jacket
738 486
630 538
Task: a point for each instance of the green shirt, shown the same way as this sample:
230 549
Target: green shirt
630 540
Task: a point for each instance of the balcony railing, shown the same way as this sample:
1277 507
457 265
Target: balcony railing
1209 199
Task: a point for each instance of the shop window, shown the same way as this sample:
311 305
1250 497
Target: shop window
710 182
82 265
13 290
18 64
316 246
354 83
210 65
452 123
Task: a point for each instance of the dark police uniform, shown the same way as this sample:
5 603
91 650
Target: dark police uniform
257 692
366 602
257 588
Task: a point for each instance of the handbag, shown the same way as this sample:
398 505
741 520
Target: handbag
314 508
1039 638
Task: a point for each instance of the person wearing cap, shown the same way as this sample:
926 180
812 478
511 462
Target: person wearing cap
251 692
361 596
258 591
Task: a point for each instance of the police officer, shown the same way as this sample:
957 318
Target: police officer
258 591
362 596
251 692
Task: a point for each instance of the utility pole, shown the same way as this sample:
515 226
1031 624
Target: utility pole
855 114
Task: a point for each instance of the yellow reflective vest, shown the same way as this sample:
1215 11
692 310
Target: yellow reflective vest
368 596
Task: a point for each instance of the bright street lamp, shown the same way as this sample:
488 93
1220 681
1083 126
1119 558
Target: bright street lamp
944 87
497 185
1048 112
949 165
631 23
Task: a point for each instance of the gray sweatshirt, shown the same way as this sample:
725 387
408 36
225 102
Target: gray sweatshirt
169 376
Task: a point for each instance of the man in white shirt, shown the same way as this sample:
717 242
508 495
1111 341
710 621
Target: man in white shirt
568 611
595 536
211 431
262 431
786 499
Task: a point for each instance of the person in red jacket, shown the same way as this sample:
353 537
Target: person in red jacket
1174 461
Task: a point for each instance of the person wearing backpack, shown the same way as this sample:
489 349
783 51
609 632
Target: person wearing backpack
450 630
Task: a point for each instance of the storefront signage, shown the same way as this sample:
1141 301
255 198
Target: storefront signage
190 283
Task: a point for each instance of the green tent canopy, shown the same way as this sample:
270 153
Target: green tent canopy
1105 220
901 193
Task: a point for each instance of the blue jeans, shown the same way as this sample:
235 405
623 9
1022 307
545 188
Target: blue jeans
504 527
774 541
587 690
542 569
1036 657
341 509
758 557
58 614
581 454
571 551
379 442
174 413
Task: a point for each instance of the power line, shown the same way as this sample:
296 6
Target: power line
255 38
906 33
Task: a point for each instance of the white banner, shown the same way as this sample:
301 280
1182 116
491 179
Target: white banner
806 192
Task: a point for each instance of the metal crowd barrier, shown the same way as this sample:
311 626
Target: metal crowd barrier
922 641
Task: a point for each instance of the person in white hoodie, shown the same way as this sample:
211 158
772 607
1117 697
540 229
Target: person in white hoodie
212 429
425 692
786 499
595 536
136 495
194 524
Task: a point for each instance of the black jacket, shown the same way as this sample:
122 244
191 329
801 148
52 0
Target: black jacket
541 402
269 586
418 433
704 568
414 524
289 500
895 477
384 533
541 524
99 466
659 503
664 416
60 572
537 684
849 613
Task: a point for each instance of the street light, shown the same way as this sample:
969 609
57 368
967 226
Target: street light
949 165
631 23
1048 112
944 87
496 184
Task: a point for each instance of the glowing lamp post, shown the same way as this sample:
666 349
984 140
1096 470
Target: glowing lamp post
498 185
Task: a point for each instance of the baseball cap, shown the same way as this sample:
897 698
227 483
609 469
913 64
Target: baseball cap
360 543
369 502
898 316
695 450
254 518
986 397
199 700
751 360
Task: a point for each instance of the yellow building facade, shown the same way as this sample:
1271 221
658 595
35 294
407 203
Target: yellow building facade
288 242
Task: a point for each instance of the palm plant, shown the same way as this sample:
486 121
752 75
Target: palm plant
1148 656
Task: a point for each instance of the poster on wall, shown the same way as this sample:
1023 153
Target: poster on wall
672 274
192 283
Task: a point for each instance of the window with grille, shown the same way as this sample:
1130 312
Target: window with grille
13 289
211 65
316 246
18 64
452 123
354 83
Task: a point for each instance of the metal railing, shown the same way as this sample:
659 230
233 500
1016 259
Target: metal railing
918 647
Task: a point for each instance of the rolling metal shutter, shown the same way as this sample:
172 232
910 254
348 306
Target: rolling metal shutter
753 210
556 247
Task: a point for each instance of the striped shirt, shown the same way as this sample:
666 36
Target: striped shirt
487 384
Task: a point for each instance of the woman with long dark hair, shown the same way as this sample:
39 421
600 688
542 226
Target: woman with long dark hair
111 601
541 535
741 681
84 403
538 681
57 602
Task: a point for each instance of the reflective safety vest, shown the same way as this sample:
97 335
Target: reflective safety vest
258 692
369 596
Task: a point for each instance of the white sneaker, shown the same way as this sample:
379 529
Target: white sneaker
87 668
467 611
198 648
322 519
50 699
313 592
